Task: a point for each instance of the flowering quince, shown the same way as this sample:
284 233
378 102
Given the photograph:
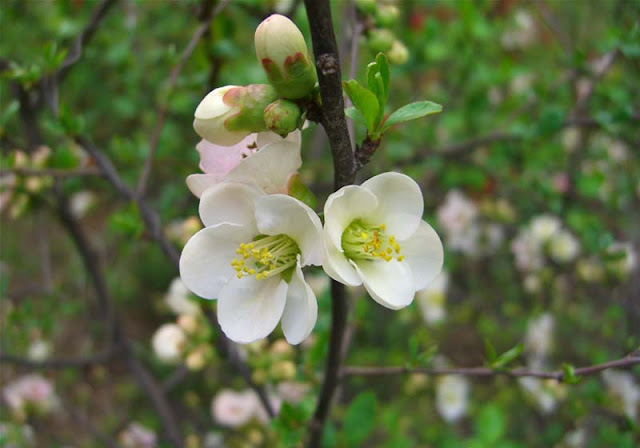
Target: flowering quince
250 257
228 114
374 235
265 160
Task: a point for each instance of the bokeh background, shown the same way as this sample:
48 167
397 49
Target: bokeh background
530 175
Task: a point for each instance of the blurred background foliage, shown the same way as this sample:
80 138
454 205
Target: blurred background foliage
541 112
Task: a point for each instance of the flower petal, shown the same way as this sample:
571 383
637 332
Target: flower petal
249 309
265 138
198 183
270 167
280 214
301 311
217 159
338 267
400 203
424 254
389 283
205 263
344 206
230 202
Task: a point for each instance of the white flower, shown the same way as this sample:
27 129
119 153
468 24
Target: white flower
563 247
81 202
30 391
293 392
622 386
137 436
235 409
544 394
374 235
539 335
624 259
431 299
527 251
39 350
250 257
452 397
543 227
167 342
269 167
177 298
457 213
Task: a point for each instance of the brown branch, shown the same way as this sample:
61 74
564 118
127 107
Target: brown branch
50 172
60 363
333 120
163 108
558 375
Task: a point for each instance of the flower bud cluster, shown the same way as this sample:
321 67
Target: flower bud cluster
16 190
229 114
379 18
188 339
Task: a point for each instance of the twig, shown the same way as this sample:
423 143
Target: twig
552 23
227 349
50 172
60 363
558 375
333 120
163 108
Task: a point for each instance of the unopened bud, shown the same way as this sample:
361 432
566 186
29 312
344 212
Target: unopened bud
228 114
381 40
188 323
281 348
283 54
283 371
282 117
387 16
196 360
398 54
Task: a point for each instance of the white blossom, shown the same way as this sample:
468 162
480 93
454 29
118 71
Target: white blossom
136 435
563 246
167 342
30 391
250 257
177 298
431 300
452 397
539 337
374 235
624 388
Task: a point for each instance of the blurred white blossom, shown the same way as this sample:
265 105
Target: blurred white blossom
136 435
30 392
167 342
544 393
81 202
177 298
539 337
452 397
235 409
39 350
623 387
431 300
564 247
521 33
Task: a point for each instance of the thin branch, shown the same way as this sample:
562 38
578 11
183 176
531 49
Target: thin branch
553 25
628 361
60 363
163 108
227 349
333 120
50 172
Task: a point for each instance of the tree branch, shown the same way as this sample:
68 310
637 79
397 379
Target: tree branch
333 120
628 361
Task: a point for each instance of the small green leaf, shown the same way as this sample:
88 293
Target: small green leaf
411 112
490 351
359 419
569 374
364 100
383 69
372 71
353 113
490 425
300 191
507 357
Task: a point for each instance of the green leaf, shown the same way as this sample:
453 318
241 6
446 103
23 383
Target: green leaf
383 69
364 100
353 113
359 419
372 71
569 374
411 112
490 425
300 191
507 357
490 351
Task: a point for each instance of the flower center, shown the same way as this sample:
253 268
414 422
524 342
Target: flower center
266 256
361 241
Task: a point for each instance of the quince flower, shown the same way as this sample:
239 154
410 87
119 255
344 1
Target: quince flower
228 114
264 160
374 234
250 257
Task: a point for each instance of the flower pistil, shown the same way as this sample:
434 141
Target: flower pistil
362 241
266 256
